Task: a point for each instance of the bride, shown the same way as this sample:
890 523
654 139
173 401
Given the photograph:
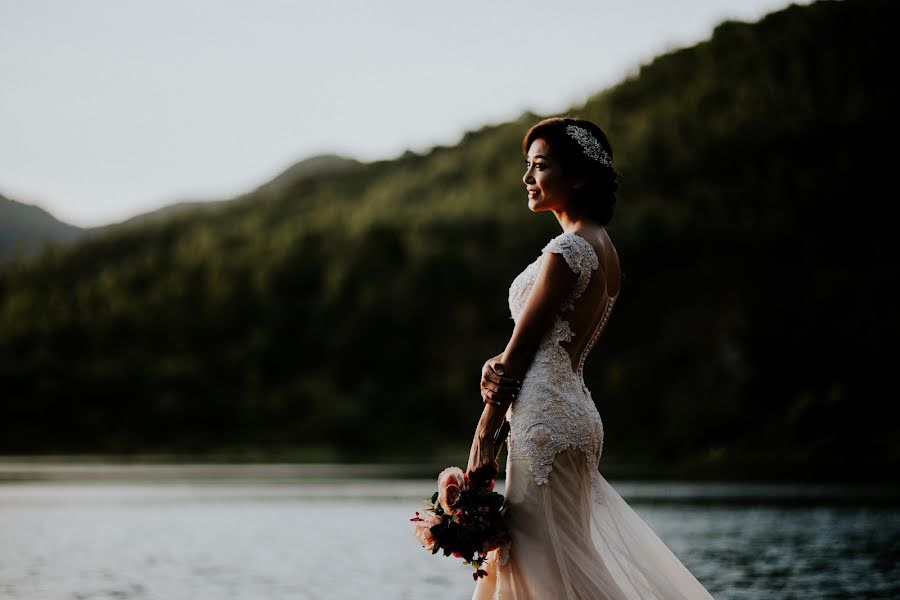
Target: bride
573 536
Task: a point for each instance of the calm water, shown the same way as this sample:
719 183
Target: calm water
269 532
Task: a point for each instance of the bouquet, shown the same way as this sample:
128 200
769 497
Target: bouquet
462 518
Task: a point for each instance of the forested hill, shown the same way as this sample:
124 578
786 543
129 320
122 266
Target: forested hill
348 314
26 229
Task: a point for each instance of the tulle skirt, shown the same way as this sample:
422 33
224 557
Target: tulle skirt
575 538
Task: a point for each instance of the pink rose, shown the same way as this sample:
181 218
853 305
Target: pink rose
450 486
422 528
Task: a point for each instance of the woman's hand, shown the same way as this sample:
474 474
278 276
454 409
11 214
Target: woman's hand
496 389
483 466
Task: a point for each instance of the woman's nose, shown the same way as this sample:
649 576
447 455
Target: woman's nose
527 178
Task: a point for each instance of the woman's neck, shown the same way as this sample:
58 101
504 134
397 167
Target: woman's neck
569 220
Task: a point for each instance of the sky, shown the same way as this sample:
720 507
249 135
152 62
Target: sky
111 108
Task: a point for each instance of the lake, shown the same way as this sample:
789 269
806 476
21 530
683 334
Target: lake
212 532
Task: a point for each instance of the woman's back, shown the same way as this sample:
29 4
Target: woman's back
590 311
554 410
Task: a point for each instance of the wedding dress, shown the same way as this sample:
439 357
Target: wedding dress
573 536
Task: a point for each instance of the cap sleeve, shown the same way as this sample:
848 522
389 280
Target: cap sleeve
581 258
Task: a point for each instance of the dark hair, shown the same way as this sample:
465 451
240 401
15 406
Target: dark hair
598 194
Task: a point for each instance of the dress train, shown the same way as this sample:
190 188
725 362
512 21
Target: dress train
576 538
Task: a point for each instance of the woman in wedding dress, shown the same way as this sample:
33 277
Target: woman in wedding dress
573 536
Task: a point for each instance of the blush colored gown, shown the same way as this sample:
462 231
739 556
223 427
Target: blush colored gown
573 537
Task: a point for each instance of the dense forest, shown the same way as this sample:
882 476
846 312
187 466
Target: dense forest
345 313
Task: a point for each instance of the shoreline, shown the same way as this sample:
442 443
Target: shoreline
216 467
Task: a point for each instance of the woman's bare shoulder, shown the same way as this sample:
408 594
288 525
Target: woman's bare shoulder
598 237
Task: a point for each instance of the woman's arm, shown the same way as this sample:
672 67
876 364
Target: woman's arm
552 286
554 282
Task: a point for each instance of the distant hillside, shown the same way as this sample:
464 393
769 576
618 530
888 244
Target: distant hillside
26 229
304 169
324 164
169 211
347 314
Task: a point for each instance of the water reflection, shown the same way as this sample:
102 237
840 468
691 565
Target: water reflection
212 531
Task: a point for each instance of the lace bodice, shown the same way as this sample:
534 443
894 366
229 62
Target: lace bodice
554 410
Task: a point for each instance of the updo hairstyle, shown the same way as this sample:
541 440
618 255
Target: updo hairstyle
598 194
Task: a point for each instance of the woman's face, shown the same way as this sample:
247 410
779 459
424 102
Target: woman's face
548 187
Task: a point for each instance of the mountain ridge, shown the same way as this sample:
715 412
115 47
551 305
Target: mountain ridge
26 229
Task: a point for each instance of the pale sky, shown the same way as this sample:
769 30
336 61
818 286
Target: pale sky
110 108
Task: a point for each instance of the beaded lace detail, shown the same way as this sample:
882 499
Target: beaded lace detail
554 410
596 336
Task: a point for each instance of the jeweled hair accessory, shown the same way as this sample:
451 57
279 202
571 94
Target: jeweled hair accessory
589 144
